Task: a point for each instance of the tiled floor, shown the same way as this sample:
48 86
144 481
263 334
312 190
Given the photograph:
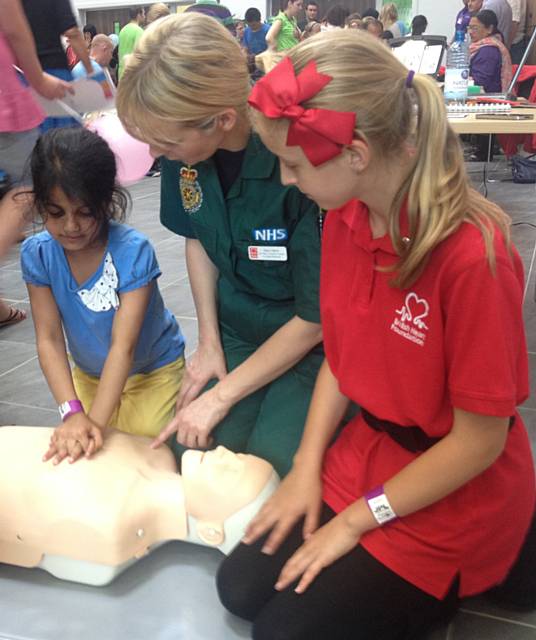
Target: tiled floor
25 400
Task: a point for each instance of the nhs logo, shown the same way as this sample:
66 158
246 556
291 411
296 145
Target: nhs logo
269 235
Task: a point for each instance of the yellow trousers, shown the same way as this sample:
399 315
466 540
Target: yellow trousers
147 403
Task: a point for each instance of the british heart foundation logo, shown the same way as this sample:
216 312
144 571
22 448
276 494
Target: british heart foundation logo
410 323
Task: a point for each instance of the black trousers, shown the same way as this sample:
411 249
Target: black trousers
356 598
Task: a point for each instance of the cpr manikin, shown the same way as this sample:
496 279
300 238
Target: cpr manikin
90 520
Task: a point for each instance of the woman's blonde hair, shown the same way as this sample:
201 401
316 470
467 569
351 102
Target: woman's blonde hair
185 69
392 118
388 14
155 11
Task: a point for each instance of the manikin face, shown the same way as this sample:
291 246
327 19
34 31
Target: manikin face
117 505
219 483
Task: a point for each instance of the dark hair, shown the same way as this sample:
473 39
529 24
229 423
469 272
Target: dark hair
337 15
353 17
386 35
312 2
418 25
489 19
253 15
91 29
371 13
134 13
285 3
83 166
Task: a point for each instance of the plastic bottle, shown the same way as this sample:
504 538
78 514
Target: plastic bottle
457 73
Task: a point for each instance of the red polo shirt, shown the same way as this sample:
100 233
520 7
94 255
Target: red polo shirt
454 338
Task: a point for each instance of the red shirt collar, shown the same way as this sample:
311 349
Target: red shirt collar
355 215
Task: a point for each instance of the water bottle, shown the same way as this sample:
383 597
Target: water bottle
457 73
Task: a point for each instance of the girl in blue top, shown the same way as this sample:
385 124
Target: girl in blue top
94 280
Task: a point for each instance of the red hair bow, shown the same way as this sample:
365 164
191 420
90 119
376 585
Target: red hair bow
321 133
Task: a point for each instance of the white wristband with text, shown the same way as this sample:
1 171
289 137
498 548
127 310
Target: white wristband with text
379 506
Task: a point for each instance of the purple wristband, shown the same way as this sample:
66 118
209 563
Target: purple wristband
379 506
70 407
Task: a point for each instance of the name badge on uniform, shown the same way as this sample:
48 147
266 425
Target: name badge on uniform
191 193
273 254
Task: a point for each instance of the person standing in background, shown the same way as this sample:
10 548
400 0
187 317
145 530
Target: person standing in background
129 36
101 52
419 24
311 15
89 32
284 33
49 20
501 9
214 9
463 18
518 43
254 40
20 117
155 11
390 21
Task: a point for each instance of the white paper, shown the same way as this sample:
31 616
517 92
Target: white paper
411 53
94 93
419 56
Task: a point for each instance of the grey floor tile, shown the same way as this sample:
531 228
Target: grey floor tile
179 300
13 414
438 634
168 595
189 331
13 354
12 285
27 387
22 332
483 606
467 626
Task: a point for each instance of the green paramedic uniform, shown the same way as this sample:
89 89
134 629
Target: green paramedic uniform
264 239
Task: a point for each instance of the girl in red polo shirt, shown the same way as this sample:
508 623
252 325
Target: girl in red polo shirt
428 494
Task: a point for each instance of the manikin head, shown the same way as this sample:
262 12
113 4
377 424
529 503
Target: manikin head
210 478
116 506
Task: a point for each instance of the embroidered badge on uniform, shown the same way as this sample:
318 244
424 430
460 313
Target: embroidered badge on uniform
410 324
191 193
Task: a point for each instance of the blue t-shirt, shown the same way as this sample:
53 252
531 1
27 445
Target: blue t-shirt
88 310
255 41
79 71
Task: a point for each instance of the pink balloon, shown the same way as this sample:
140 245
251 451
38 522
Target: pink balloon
132 156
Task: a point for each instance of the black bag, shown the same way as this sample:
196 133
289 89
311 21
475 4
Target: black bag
524 169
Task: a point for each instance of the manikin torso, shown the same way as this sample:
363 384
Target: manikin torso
90 520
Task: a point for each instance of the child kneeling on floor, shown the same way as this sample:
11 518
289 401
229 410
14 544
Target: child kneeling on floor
94 280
